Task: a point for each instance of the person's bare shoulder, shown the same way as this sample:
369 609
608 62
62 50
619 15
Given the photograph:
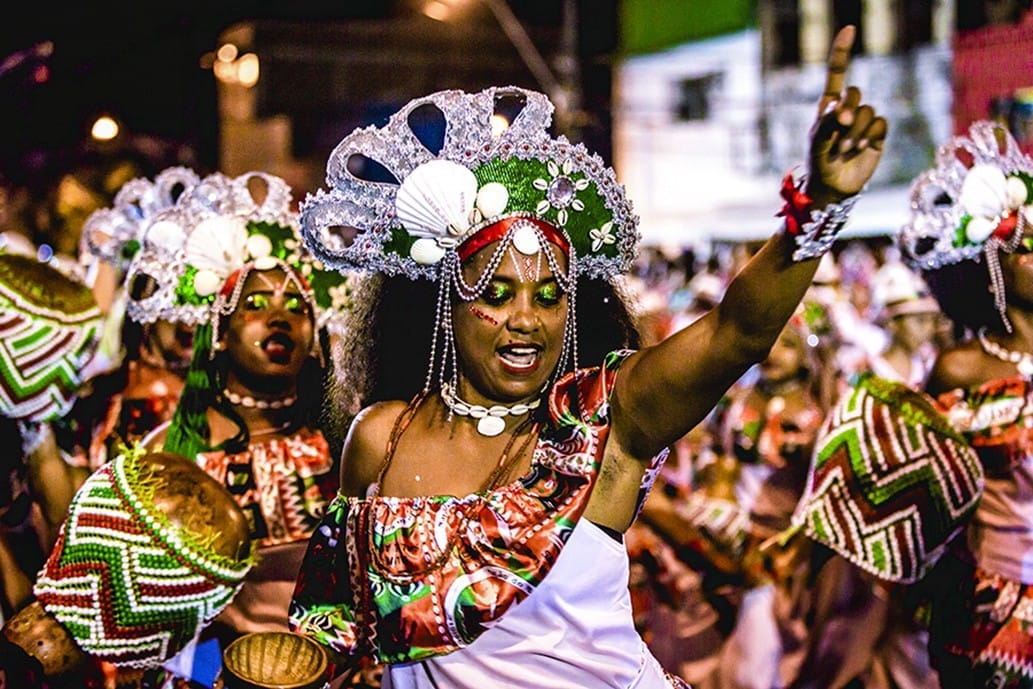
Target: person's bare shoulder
959 367
366 444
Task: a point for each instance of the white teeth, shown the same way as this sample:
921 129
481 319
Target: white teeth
520 356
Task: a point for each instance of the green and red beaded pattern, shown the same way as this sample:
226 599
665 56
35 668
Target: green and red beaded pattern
122 583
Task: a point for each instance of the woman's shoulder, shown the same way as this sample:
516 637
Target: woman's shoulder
961 367
375 417
366 444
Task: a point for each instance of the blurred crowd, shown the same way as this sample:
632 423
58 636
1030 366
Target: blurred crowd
726 593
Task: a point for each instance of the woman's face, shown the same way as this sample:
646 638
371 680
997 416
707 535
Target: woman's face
509 339
270 333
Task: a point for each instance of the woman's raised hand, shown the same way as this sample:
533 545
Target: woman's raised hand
847 137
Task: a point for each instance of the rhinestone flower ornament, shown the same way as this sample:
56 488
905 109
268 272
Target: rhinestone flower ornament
441 190
215 227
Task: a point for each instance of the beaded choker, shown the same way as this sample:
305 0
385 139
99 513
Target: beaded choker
1023 360
251 403
490 420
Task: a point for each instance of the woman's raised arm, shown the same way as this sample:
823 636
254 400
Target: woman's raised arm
667 389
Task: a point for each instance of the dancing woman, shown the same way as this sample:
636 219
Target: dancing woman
227 258
477 537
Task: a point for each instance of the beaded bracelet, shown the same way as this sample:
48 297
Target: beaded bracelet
814 230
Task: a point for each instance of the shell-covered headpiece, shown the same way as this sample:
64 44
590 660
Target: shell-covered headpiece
215 228
438 194
975 202
113 234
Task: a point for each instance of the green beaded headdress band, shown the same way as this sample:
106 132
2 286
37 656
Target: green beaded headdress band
129 586
216 226
439 191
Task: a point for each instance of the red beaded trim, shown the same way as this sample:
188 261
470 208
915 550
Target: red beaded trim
497 230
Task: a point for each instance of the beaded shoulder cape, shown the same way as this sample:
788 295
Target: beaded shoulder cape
404 579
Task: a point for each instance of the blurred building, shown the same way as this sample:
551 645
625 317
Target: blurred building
705 128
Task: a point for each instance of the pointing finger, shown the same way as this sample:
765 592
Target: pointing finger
839 60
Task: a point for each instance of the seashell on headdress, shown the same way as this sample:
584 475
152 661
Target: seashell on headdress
214 228
437 194
979 192
976 202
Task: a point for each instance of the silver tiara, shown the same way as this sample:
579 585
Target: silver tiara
113 234
214 229
434 198
975 198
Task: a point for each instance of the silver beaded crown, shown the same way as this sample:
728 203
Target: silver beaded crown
216 227
975 198
113 234
480 175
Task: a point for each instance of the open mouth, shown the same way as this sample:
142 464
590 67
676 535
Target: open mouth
520 359
278 347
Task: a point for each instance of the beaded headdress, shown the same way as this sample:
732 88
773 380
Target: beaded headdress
215 228
123 580
443 193
113 234
975 202
446 189
49 324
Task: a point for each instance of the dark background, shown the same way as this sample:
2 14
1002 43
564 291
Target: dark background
329 65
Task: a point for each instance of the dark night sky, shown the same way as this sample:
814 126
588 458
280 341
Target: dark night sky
142 61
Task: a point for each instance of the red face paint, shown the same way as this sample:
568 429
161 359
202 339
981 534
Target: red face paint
483 316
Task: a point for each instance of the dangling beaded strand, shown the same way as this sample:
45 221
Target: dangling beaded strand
992 250
452 277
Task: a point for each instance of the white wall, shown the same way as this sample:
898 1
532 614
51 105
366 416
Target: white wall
693 182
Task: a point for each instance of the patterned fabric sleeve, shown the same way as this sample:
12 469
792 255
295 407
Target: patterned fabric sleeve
322 606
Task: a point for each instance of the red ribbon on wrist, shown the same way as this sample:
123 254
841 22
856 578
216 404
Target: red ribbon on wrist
797 208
